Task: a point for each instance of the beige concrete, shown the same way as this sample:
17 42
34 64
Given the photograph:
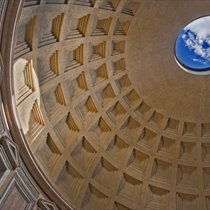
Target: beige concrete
124 127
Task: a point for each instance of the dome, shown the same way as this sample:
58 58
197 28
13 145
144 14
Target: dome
103 115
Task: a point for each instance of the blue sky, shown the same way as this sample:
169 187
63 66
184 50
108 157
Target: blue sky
193 44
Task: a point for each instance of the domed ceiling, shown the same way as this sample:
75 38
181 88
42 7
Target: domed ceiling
111 119
153 70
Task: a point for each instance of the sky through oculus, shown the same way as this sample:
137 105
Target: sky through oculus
192 46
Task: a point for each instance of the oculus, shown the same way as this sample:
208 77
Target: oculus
192 47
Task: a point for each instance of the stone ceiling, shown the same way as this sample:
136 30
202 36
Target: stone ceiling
110 117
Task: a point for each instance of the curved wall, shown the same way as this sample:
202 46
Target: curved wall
101 140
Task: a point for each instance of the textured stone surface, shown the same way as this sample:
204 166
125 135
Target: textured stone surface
133 134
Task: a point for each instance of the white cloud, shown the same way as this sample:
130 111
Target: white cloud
184 36
191 35
199 60
200 27
198 49
198 34
189 43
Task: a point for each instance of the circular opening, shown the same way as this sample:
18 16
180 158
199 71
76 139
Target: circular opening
192 47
